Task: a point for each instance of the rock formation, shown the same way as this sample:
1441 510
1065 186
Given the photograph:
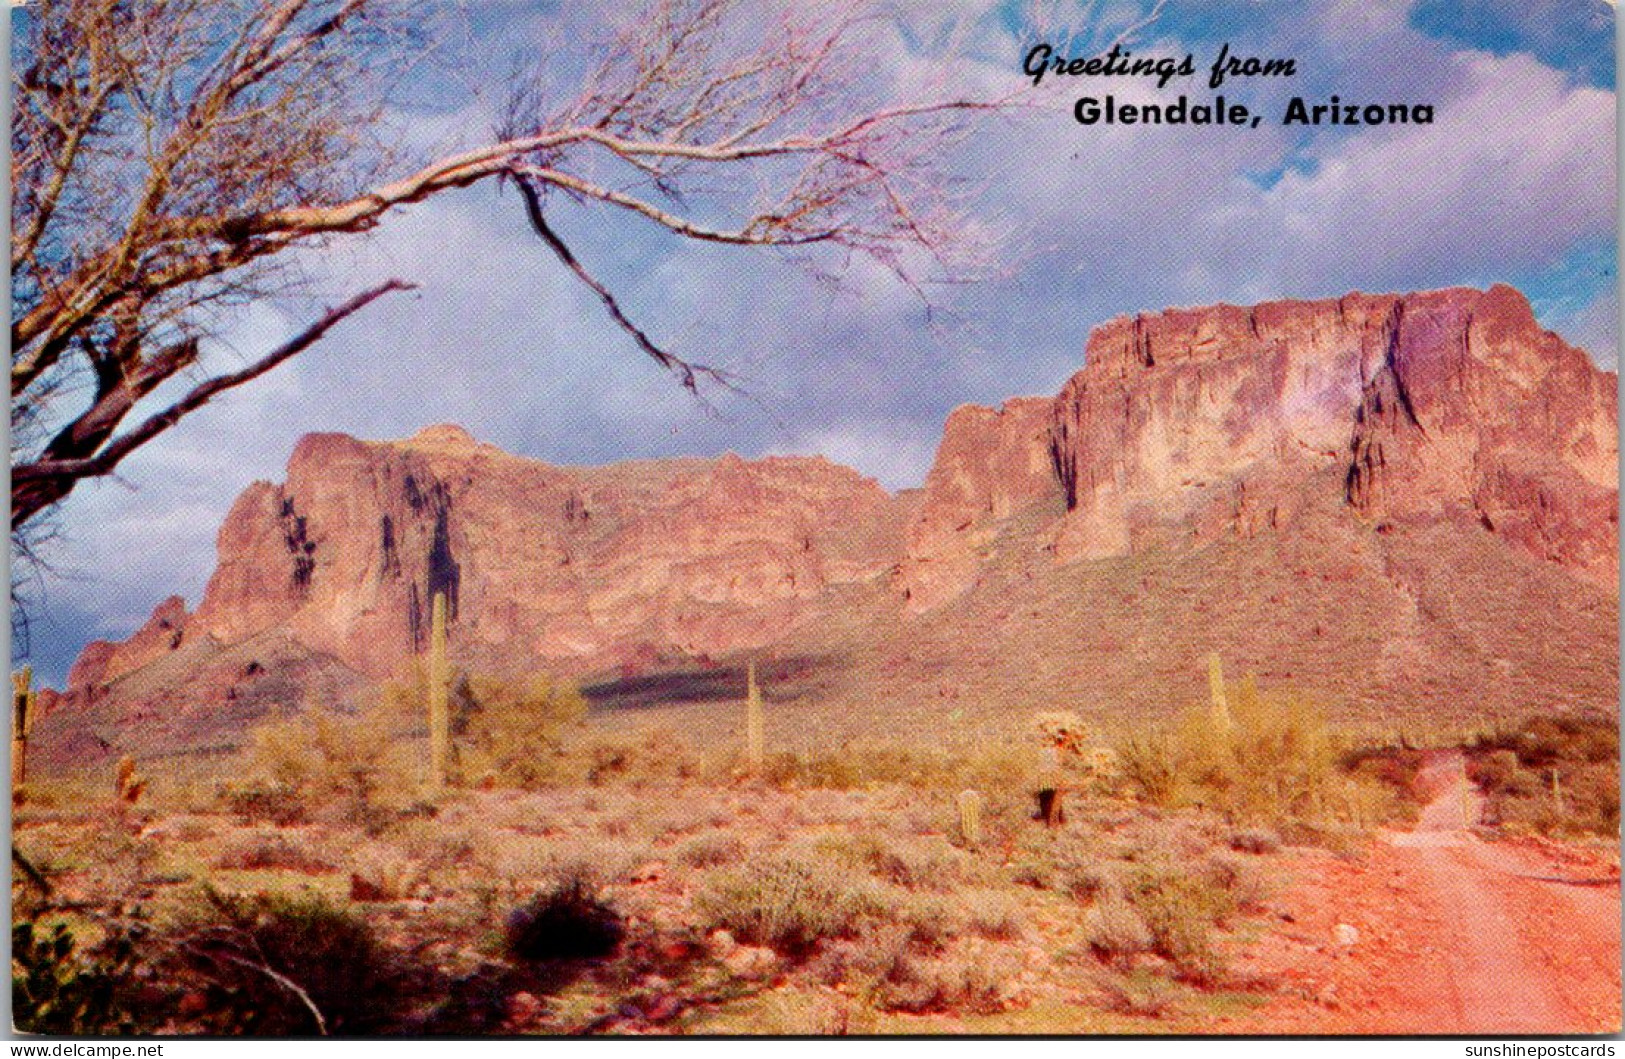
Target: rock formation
1189 423
1357 462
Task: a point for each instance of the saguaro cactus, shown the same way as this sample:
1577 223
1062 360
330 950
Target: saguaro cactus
439 711
1221 701
970 817
22 722
127 786
755 723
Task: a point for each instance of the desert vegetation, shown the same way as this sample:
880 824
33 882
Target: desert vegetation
1553 775
569 878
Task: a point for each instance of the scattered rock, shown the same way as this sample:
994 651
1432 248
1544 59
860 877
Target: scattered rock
750 961
525 1007
663 1008
722 944
653 871
365 889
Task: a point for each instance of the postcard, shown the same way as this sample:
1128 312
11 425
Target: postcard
707 518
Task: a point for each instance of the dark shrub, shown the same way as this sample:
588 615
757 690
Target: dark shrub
272 965
565 923
1255 840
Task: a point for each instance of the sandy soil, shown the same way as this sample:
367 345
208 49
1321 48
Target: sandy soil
1436 931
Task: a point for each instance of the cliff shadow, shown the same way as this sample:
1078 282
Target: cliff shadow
781 679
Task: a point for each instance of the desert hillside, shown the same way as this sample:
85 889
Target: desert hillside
1402 505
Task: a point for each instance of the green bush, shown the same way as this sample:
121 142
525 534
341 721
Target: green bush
1256 840
788 904
507 732
1179 905
58 991
259 802
351 763
710 850
1271 760
1116 932
1517 766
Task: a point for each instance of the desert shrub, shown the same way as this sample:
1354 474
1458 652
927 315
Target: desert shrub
567 922
1272 761
829 771
992 913
710 850
350 763
1148 763
791 1013
1498 772
651 756
1243 884
259 802
382 873
1545 740
1092 880
507 732
1395 767
870 764
1553 774
878 951
1115 931
59 990
601 860
1140 994
889 967
436 844
272 852
929 922
1075 868
1256 840
955 983
277 965
1180 912
788 904
916 862
510 857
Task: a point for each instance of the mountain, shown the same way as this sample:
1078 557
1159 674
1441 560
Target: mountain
1401 503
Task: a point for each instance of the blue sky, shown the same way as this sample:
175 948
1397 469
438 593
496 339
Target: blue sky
1514 182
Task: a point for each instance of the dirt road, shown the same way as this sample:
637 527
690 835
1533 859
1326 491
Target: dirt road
1436 931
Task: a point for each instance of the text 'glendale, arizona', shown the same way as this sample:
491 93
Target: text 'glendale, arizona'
1219 111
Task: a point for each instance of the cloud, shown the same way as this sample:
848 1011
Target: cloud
1518 166
893 454
1516 173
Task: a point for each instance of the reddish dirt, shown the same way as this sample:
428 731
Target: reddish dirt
1450 934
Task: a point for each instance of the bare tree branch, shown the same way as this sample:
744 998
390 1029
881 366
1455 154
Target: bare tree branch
168 154
41 483
688 374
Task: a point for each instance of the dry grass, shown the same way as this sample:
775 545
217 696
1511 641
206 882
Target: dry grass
874 916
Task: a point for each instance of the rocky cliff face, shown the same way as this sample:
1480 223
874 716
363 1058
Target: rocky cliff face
1190 424
540 565
1316 453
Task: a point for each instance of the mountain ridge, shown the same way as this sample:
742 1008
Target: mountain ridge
1322 427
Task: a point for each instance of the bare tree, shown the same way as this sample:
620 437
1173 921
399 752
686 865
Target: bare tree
168 154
